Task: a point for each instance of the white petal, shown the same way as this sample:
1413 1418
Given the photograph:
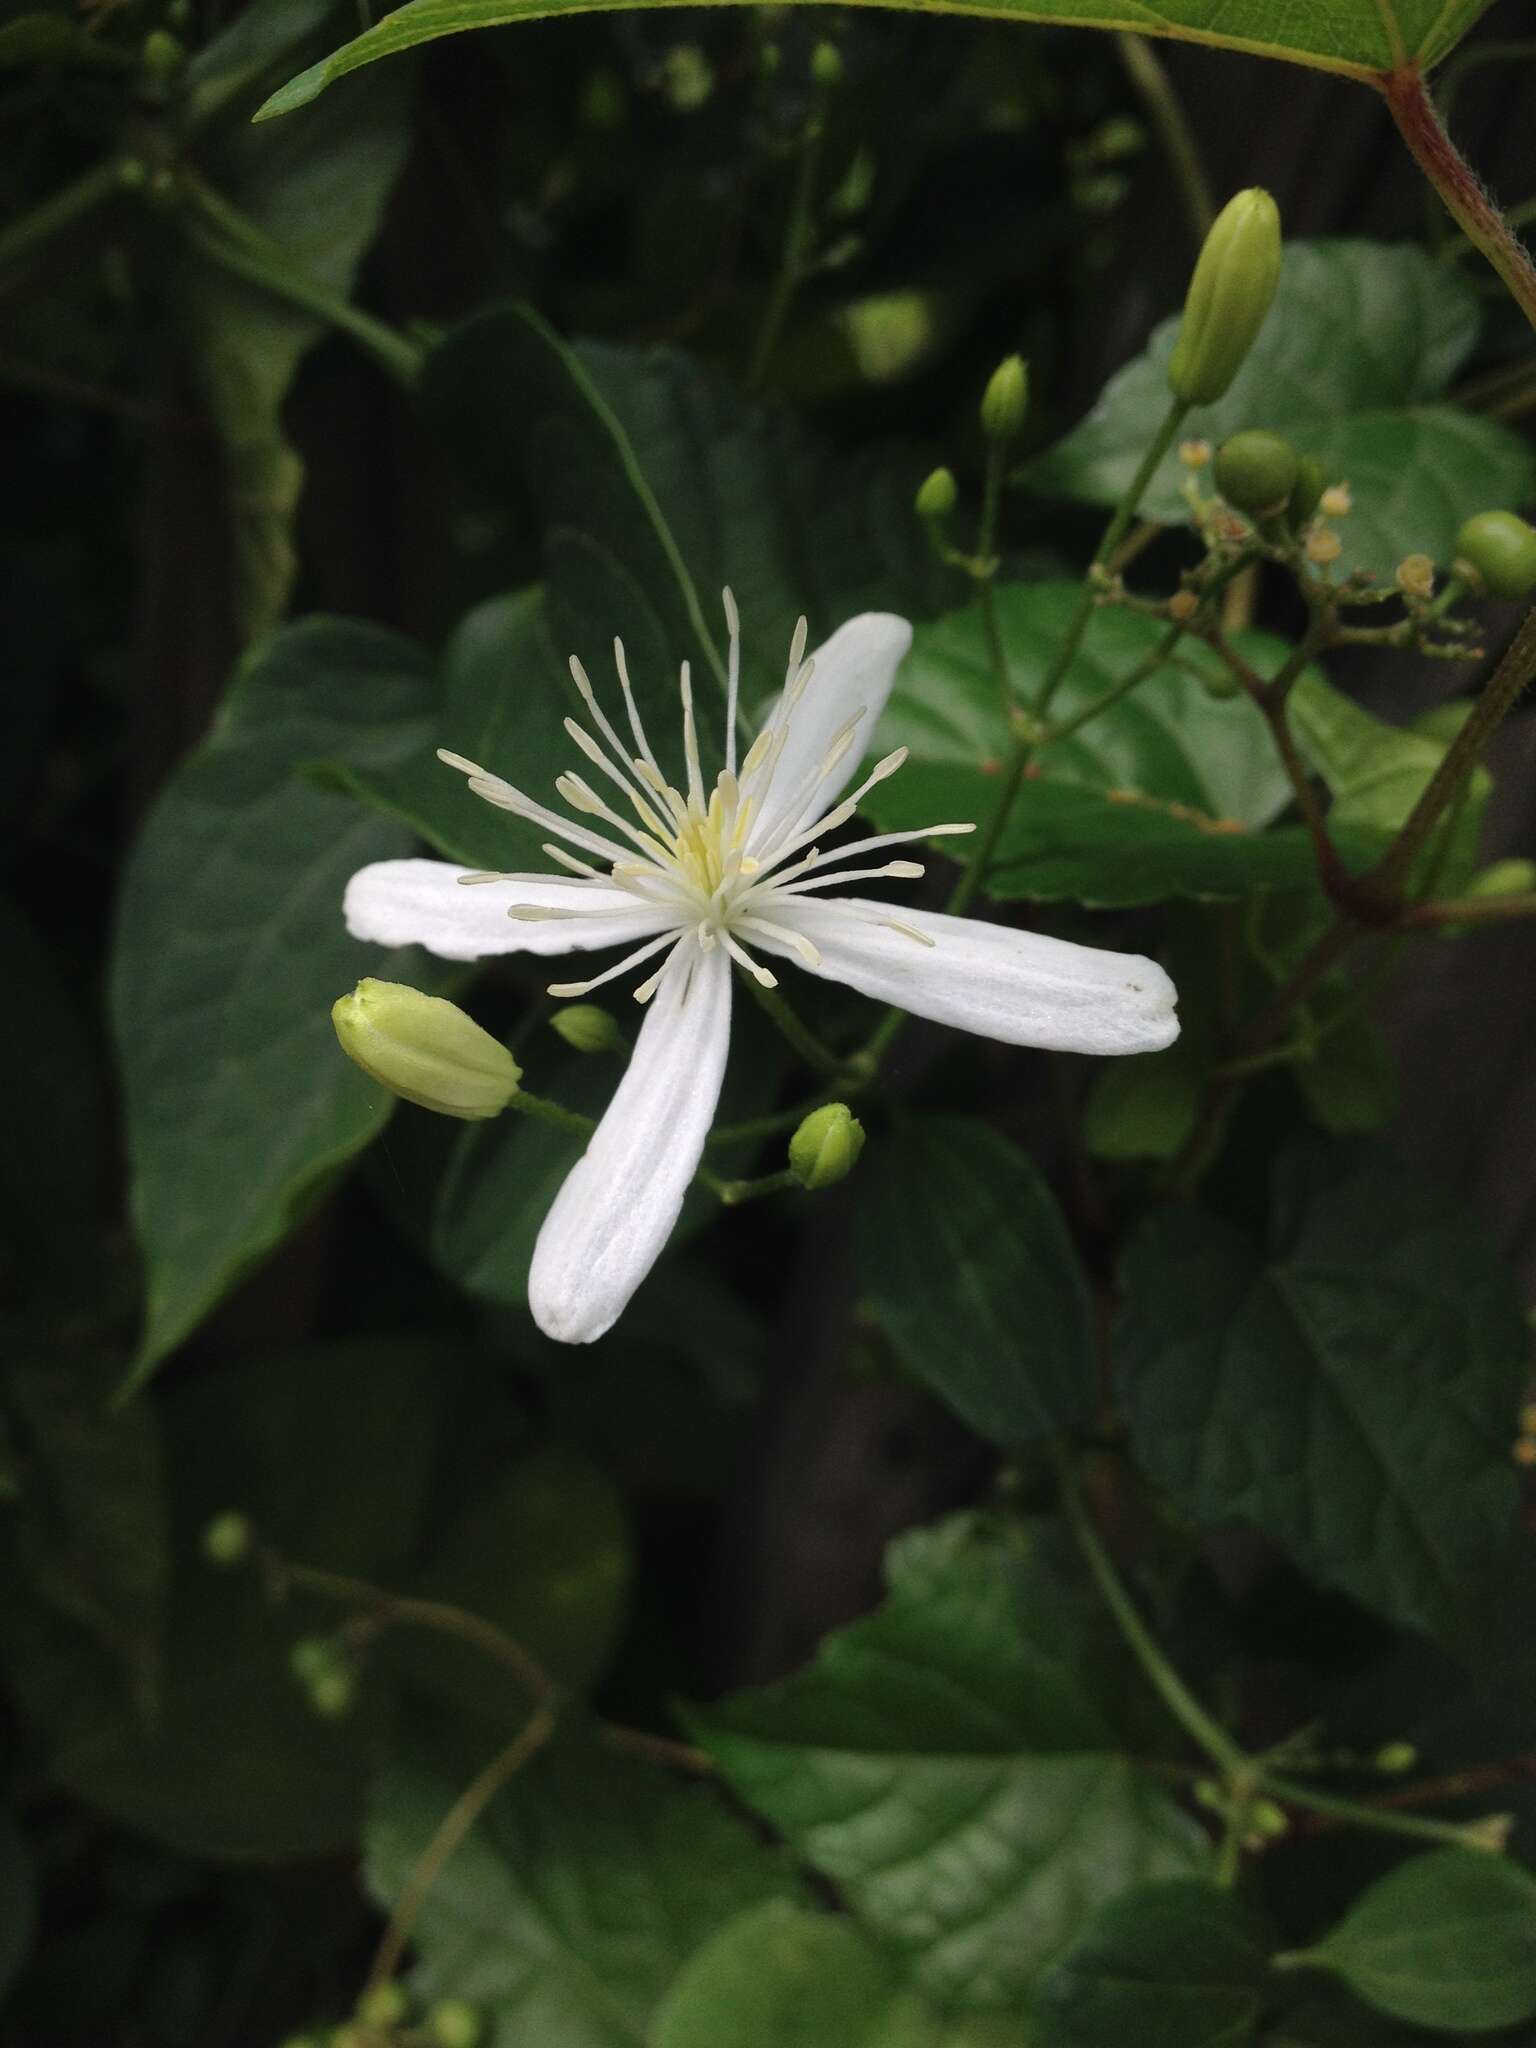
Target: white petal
423 903
611 1220
854 672
1019 987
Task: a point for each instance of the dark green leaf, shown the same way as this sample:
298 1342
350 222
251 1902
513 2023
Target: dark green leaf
230 952
1172 1965
945 1764
1353 1394
1165 794
585 1885
658 484
1362 339
1447 1940
1355 37
968 1265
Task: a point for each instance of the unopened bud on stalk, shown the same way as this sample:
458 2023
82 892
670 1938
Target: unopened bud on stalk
936 495
227 1539
1005 401
1256 471
823 1151
1194 454
586 1028
1393 1758
425 1049
1504 878
1499 549
1229 298
826 66
1323 547
1337 502
385 2006
453 2024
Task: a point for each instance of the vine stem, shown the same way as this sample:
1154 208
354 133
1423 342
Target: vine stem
799 1035
1148 75
796 239
99 184
1466 199
1385 1820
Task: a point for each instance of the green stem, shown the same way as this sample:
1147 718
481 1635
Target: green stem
1384 1820
986 573
1498 698
987 839
770 1126
1153 87
74 203
1138 675
1171 1689
800 1036
544 1111
1471 910
241 247
1419 123
796 240
733 1193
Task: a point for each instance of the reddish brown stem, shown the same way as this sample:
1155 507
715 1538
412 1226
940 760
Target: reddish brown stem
1460 188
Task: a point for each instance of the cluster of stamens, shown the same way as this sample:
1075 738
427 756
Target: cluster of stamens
705 861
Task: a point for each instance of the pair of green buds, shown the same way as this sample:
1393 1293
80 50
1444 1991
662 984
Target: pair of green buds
426 1050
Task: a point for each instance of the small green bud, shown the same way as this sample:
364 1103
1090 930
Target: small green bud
826 66
1393 1758
602 102
1311 482
162 55
1229 298
1500 549
1267 1820
453 2024
937 495
310 1657
688 78
586 1028
822 1152
1257 472
331 1692
227 1539
425 1049
385 2006
1209 1795
1005 401
1490 1836
1504 878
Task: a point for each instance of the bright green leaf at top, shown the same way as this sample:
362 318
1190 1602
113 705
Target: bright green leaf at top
1352 365
1172 1965
1447 1940
1356 37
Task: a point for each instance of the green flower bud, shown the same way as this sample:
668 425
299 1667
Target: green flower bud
331 1692
1229 298
453 2024
688 78
826 66
937 495
586 1028
602 102
385 2006
1500 549
310 1657
227 1539
1257 472
822 1152
1005 401
162 55
425 1049
1393 1758
1267 1820
1504 878
1311 482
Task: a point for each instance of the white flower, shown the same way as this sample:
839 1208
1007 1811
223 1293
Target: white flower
693 879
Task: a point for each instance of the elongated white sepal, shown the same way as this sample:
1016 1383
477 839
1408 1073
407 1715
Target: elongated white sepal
854 673
611 1220
1020 988
423 903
